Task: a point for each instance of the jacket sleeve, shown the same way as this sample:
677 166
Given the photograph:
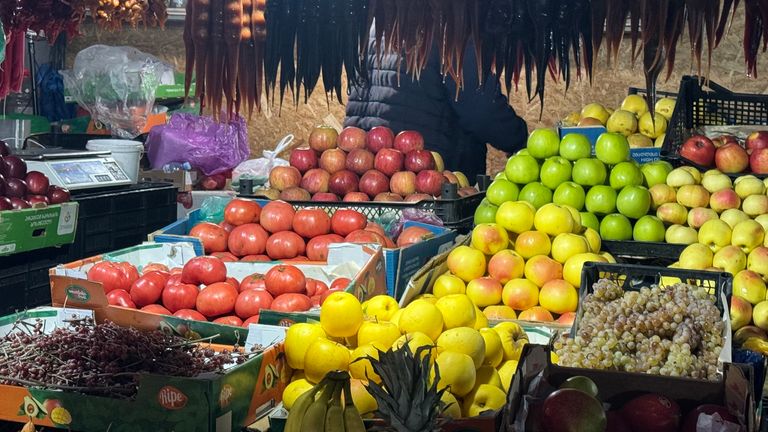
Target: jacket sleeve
483 111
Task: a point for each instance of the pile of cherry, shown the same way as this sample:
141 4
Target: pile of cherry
20 189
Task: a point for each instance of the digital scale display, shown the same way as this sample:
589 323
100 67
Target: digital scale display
79 172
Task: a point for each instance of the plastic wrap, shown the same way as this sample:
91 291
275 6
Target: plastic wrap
207 145
212 208
116 85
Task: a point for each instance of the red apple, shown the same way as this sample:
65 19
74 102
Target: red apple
723 140
359 161
323 138
284 177
356 197
409 140
37 199
731 158
373 183
18 203
416 197
429 182
37 183
699 150
351 138
15 188
758 160
303 159
389 161
343 182
57 194
295 194
756 140
378 138
419 160
403 183
5 203
388 196
325 196
467 191
333 160
315 180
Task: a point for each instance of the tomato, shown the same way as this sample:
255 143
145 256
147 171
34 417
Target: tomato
148 288
252 320
285 245
298 258
255 258
227 227
291 302
277 216
315 287
317 248
176 270
242 211
120 297
214 237
413 234
373 226
216 299
225 256
173 279
130 271
310 223
363 236
315 300
340 283
248 239
156 309
180 296
282 279
229 320
345 221
154 267
204 270
190 314
253 282
110 275
232 281
250 302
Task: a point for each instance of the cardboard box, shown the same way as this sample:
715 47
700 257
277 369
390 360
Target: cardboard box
37 228
642 155
617 388
210 402
183 180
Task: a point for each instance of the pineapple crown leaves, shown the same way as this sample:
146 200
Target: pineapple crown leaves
406 399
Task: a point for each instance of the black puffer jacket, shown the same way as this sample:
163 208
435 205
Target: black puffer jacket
457 128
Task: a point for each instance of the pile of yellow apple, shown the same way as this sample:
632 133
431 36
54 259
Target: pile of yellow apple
633 119
476 363
525 266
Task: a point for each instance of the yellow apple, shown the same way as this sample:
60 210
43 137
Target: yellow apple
566 245
422 316
381 307
679 234
763 221
594 240
467 263
757 261
361 398
635 104
506 371
608 257
731 259
733 216
747 235
341 314
755 205
489 238
481 321
661 194
457 370
484 291
396 318
697 176
439 164
696 256
516 216
513 339
298 337
553 219
622 122
572 267
494 353
679 177
699 215
748 185
447 284
324 356
379 333
576 215
672 213
294 390
359 365
427 297
463 340
536 313
558 296
531 243
457 310
692 196
595 111
542 269
715 234
505 265
415 341
750 286
716 181
502 312
723 200
485 398
520 294
665 107
760 315
741 312
452 406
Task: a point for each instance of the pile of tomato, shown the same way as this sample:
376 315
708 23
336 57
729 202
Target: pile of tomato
202 291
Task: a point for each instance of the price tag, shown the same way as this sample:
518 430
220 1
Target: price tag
65 315
264 335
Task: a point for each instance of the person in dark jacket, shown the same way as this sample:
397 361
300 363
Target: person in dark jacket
457 128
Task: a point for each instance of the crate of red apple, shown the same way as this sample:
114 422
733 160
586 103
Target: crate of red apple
20 189
727 153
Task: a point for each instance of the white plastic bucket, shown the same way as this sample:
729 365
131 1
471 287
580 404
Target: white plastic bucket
126 153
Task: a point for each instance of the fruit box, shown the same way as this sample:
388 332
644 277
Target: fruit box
70 287
641 155
210 402
36 228
616 388
399 263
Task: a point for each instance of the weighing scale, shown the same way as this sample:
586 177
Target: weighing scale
75 169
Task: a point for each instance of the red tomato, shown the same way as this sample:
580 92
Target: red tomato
310 223
277 216
232 281
204 270
225 256
282 279
120 297
176 270
340 283
373 226
253 282
154 267
180 296
242 211
413 234
315 300
298 258
229 320
345 221
156 309
285 245
227 227
148 288
173 279
130 271
216 299
248 239
291 302
190 314
214 237
315 287
317 248
250 302
255 258
111 276
252 320
364 236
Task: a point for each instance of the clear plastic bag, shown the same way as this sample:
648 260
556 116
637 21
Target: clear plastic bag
212 208
116 85
258 169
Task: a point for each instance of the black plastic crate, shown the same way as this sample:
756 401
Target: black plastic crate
643 250
709 104
24 281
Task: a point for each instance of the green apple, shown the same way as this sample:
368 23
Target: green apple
536 193
589 172
575 146
543 143
655 173
649 228
612 148
625 174
555 171
590 220
601 199
500 175
633 201
569 193
485 212
522 169
615 227
501 191
523 151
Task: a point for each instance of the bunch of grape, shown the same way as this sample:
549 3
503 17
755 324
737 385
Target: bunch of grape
674 331
103 359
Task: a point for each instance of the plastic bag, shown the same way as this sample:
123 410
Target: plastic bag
212 209
207 145
116 85
258 169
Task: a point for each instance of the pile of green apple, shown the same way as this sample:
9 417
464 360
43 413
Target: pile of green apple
609 189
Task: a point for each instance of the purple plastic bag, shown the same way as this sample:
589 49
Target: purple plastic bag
207 145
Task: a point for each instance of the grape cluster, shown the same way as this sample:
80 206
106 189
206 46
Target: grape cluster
103 359
672 331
